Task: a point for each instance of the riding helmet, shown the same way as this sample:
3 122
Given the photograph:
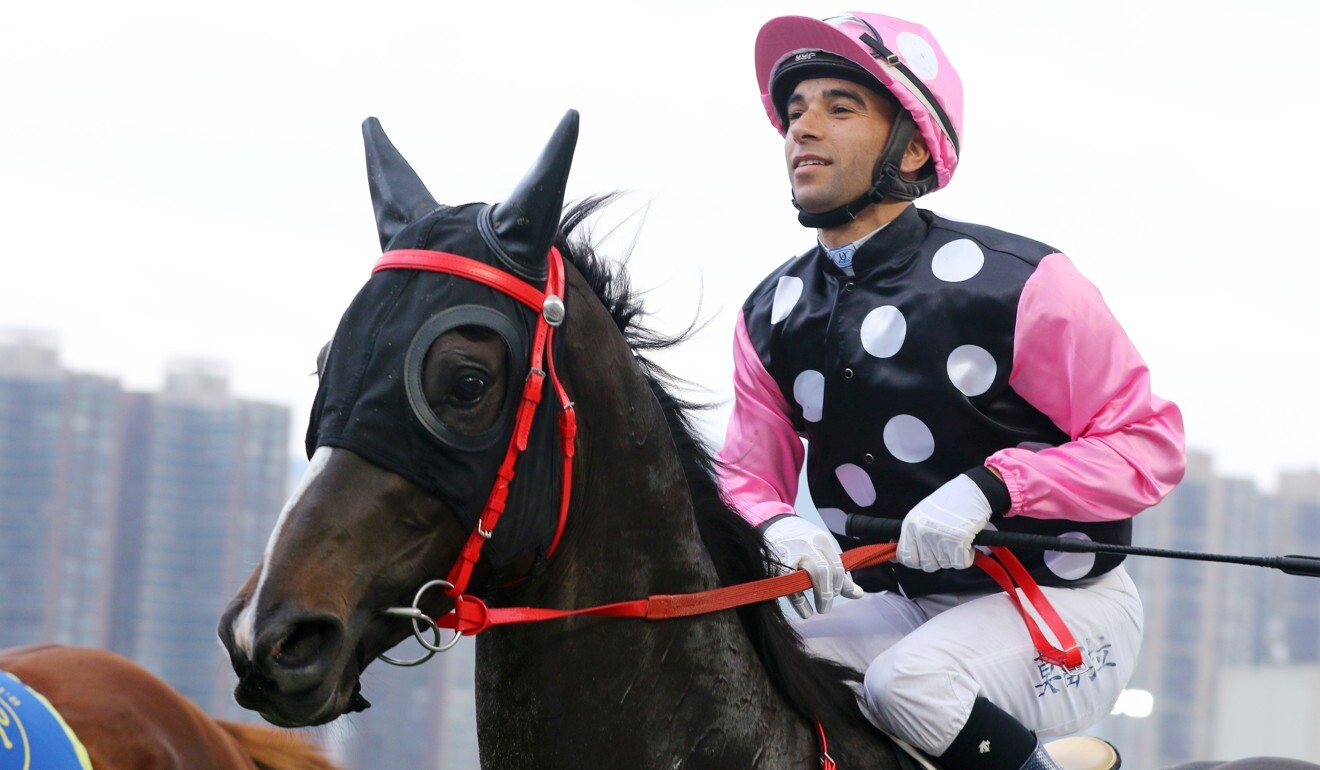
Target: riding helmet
885 54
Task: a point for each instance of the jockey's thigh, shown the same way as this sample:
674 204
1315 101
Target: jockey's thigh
855 631
921 688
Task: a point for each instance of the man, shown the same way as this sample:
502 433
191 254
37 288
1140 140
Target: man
949 375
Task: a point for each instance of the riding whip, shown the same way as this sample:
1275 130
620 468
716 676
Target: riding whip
869 528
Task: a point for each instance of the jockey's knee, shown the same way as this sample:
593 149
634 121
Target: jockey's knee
918 700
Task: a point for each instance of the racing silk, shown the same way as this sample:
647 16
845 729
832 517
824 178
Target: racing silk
33 736
952 348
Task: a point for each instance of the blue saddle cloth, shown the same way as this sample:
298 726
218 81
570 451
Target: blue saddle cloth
32 734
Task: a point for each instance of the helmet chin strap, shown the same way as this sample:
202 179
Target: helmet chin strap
888 182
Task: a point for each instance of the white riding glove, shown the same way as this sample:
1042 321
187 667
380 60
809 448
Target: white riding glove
938 532
797 543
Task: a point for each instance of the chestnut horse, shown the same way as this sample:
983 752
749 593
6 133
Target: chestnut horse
128 719
486 415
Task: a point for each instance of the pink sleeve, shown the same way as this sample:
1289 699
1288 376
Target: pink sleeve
762 454
1074 363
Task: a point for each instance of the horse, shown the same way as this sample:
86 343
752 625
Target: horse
518 441
128 719
404 452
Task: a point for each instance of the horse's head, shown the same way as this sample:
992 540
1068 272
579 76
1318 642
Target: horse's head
416 421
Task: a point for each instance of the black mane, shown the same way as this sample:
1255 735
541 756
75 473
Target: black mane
818 689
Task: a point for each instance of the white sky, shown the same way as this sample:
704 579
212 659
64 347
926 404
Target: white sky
186 179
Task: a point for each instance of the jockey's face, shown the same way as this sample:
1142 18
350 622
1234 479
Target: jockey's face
836 130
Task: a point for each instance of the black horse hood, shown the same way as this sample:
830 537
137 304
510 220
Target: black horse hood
370 399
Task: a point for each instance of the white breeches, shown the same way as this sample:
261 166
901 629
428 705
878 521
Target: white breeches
926 660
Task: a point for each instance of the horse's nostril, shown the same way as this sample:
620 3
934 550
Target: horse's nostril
304 643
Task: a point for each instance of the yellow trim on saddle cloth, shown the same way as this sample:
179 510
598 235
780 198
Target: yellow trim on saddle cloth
29 739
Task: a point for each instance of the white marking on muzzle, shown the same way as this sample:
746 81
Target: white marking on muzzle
244 625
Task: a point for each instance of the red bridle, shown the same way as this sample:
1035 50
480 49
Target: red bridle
549 308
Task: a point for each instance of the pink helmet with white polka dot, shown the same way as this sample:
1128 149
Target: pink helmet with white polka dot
881 52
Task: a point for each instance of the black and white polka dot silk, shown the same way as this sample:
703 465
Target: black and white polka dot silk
899 377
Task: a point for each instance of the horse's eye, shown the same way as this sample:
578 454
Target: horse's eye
467 391
463 380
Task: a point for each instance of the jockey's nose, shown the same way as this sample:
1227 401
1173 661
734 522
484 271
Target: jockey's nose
805 126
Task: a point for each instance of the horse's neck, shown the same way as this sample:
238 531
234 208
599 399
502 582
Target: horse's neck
630 691
606 692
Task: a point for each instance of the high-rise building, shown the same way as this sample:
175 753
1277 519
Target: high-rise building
128 519
206 476
59 476
1207 623
1293 623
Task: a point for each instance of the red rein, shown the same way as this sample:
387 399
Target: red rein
472 616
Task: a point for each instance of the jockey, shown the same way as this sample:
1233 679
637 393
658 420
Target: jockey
950 375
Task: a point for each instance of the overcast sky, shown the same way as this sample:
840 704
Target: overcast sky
186 179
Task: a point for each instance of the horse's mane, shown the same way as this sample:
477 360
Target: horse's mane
818 689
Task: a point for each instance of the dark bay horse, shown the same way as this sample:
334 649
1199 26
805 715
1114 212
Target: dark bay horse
128 719
419 396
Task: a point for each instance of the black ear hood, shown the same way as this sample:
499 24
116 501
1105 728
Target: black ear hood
522 229
368 400
397 193
519 230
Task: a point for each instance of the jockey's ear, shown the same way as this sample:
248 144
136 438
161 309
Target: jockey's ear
397 193
916 156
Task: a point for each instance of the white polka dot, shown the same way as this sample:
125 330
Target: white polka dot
835 520
787 293
883 331
918 55
809 392
908 439
957 261
972 369
1070 566
856 483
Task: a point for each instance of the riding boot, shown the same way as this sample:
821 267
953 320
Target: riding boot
991 739
1040 760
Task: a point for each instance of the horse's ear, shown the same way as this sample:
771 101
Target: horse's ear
526 224
397 193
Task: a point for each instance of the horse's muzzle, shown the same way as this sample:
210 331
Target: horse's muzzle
292 672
